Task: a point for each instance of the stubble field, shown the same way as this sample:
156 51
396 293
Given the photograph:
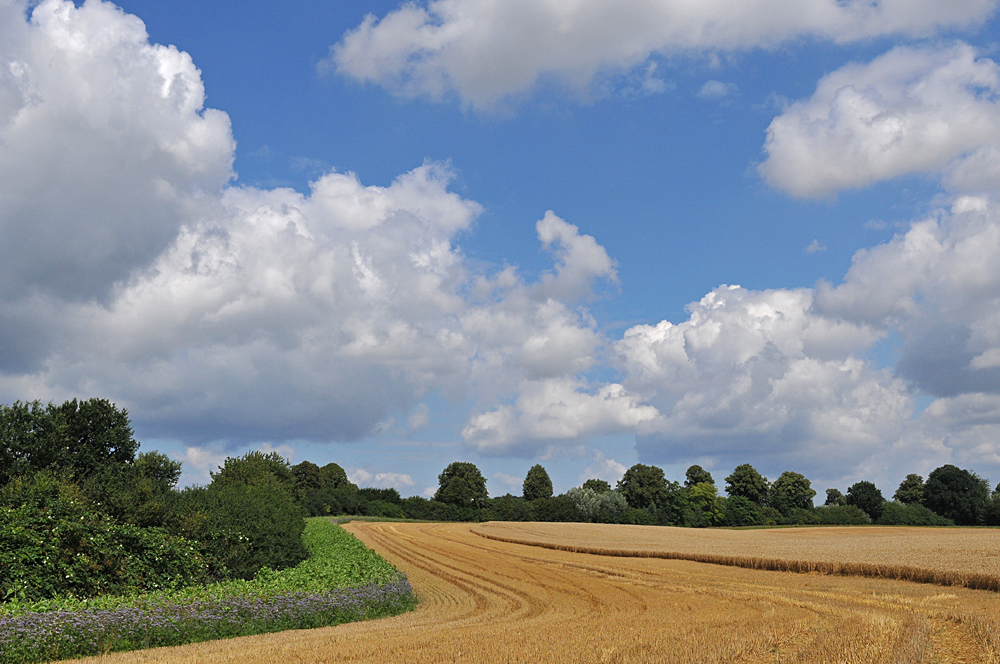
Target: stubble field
485 600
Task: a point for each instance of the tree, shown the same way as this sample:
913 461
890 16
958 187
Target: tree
697 475
462 484
911 490
956 494
644 487
597 486
745 481
77 438
867 497
537 484
791 491
834 498
704 501
256 469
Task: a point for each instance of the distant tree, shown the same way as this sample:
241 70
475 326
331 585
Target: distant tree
957 494
159 469
76 438
697 475
867 497
335 477
835 498
791 491
307 476
644 487
911 490
705 502
746 482
537 484
256 469
741 511
462 484
597 486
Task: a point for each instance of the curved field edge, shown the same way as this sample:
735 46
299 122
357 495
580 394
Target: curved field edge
341 581
971 580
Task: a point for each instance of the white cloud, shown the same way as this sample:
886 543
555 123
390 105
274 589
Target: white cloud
510 483
197 464
603 468
759 373
107 148
385 480
912 110
814 246
557 409
716 90
244 313
486 52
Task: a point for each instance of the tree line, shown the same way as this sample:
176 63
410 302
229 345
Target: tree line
83 513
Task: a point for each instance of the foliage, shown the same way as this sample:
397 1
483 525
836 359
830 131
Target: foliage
509 508
911 490
243 527
841 515
53 543
556 508
644 487
384 495
461 484
597 507
697 475
342 580
956 494
834 498
867 497
741 511
75 438
910 514
799 516
746 482
789 491
707 508
537 483
256 469
598 486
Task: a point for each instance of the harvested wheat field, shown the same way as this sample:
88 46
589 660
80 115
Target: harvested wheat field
485 600
968 557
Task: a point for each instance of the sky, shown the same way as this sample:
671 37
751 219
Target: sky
582 234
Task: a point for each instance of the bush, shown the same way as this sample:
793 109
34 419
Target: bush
508 508
558 508
243 527
801 517
638 517
910 514
54 544
741 511
385 509
598 507
841 515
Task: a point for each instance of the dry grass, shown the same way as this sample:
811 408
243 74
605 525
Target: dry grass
964 557
490 601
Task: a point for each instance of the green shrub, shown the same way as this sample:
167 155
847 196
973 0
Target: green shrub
557 508
508 508
841 515
54 544
910 514
741 511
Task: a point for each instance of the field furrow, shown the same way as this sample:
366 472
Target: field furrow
486 600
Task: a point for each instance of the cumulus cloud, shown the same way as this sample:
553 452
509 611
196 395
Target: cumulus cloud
716 90
926 109
603 468
758 372
557 409
485 52
107 148
384 480
239 313
510 484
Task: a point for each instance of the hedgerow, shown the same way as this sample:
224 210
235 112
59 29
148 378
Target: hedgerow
340 581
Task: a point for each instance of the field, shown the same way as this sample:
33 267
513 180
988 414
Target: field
968 557
484 600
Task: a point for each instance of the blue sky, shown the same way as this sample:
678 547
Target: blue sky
329 235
